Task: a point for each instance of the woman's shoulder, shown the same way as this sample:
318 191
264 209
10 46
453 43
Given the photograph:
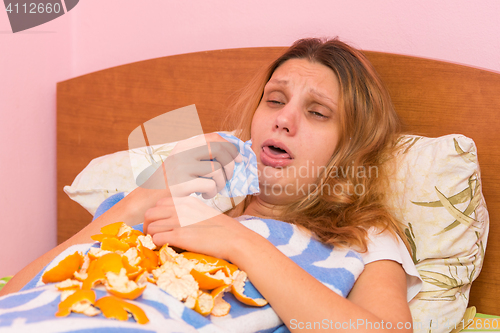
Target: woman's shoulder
384 245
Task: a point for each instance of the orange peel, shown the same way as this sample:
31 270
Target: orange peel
119 285
112 229
142 278
167 254
115 308
212 262
114 244
110 262
80 301
94 277
69 284
146 241
64 269
149 259
238 289
132 271
101 237
131 237
176 281
204 303
81 275
209 281
221 307
127 259
95 253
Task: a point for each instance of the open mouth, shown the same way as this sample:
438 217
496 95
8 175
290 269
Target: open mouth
275 155
277 151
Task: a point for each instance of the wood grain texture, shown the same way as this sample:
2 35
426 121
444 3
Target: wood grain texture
97 112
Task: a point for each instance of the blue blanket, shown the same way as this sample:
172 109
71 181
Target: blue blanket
33 309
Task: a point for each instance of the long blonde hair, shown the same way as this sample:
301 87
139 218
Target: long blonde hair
369 126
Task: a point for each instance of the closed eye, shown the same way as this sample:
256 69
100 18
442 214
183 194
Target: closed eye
275 102
317 114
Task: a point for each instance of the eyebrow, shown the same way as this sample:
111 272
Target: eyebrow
317 93
312 90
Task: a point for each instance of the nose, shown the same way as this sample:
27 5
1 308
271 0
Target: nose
286 119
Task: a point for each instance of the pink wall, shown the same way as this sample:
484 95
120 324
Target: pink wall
30 64
100 34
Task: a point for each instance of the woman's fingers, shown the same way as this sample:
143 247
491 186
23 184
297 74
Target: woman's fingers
160 218
161 226
198 165
224 153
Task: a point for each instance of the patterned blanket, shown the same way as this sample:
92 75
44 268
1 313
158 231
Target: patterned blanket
33 309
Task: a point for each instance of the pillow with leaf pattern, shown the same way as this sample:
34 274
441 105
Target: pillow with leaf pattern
436 194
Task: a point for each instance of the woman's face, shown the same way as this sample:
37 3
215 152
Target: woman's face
295 129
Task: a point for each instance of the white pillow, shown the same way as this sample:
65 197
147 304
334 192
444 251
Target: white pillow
111 174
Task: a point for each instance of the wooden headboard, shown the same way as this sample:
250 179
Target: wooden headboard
96 113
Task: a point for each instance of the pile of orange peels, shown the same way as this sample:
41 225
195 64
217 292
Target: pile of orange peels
126 261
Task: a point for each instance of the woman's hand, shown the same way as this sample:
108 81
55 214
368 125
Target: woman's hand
202 164
213 233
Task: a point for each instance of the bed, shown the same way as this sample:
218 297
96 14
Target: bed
96 113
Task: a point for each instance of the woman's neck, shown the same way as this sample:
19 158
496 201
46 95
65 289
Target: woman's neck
259 208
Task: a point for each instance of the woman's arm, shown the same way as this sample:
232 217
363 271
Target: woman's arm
378 296
130 210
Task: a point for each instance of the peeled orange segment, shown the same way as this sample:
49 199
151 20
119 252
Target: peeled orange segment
208 281
115 308
204 303
112 229
81 302
119 285
221 307
114 244
238 289
64 269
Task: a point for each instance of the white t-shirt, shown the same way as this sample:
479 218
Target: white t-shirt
384 246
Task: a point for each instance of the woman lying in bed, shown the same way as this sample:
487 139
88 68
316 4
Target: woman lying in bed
318 122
